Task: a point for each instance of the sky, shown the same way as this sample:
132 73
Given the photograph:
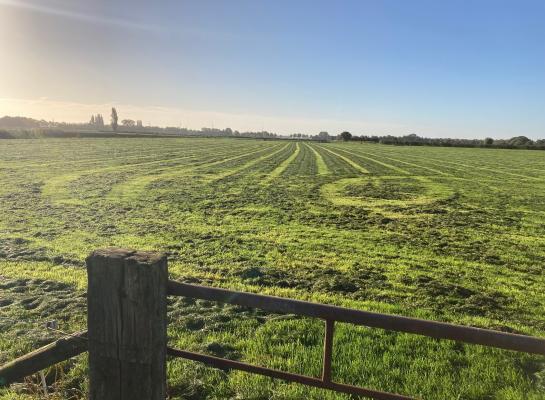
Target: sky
457 68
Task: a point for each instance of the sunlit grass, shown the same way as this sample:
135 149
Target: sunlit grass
451 235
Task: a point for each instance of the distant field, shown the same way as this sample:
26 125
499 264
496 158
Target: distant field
451 234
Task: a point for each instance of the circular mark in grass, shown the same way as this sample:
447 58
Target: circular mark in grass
387 195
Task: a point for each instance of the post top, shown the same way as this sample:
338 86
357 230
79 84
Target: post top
143 257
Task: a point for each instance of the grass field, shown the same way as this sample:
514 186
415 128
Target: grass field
449 234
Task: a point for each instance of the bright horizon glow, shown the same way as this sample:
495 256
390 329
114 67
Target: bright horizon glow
435 69
60 111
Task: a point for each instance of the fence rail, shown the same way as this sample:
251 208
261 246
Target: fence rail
438 330
331 314
43 357
127 341
223 363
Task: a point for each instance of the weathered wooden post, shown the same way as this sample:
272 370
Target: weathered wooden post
127 324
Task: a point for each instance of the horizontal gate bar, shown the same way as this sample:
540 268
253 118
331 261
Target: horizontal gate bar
273 373
438 330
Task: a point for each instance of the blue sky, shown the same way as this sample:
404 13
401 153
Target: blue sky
435 68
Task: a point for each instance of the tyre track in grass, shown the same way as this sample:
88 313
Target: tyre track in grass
263 169
303 164
495 171
335 193
132 189
56 189
354 165
81 162
438 163
320 163
492 181
335 165
472 167
410 164
248 164
282 166
381 163
142 160
425 181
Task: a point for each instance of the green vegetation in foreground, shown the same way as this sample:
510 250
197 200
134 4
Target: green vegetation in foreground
449 234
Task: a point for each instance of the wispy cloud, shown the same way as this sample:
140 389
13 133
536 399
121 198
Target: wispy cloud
119 22
96 19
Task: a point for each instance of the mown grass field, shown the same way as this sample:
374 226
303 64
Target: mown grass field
455 235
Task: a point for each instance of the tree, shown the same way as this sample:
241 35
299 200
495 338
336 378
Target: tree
129 123
346 136
323 135
92 121
99 121
520 141
139 123
114 119
489 141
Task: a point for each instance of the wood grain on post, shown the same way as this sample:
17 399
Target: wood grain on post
127 324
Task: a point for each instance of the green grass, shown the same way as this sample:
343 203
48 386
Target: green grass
448 234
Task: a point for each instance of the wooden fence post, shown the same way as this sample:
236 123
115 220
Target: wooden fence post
127 323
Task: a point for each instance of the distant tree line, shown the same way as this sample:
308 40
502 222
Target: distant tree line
322 136
517 142
23 127
11 127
